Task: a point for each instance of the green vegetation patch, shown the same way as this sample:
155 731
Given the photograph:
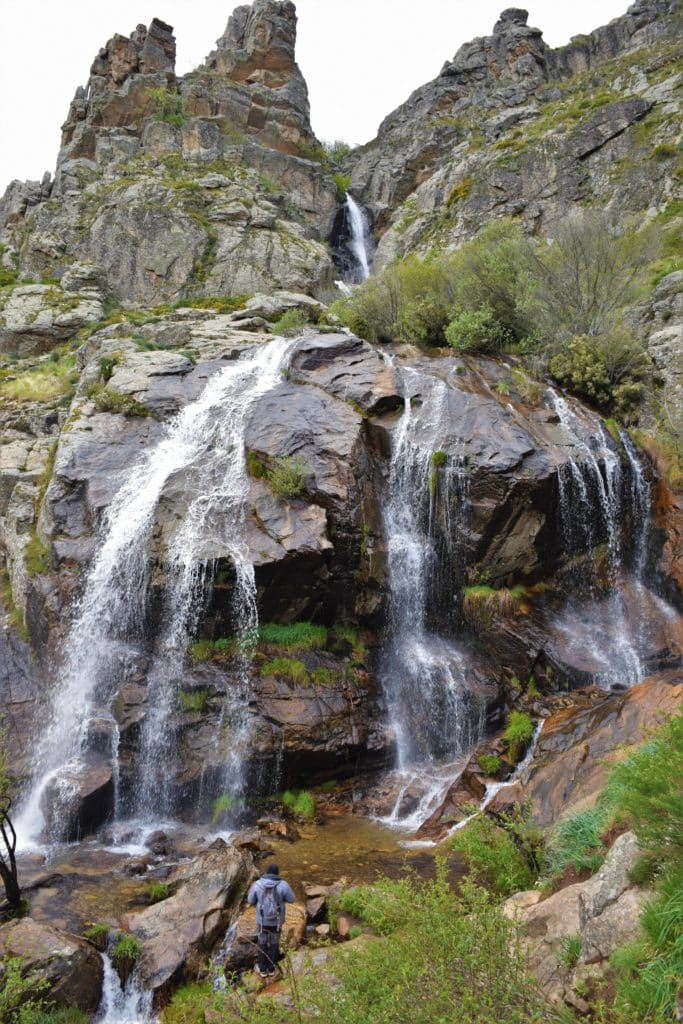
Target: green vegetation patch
287 477
287 668
50 380
159 891
493 856
303 636
193 700
291 323
108 400
518 733
299 802
491 764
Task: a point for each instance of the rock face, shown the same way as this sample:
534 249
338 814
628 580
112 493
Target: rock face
602 912
177 934
501 131
575 748
71 968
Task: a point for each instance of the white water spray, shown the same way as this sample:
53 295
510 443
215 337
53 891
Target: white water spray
358 240
129 1004
106 639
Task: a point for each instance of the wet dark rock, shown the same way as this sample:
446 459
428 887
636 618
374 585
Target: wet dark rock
79 800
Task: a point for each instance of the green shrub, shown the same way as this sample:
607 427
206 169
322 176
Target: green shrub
188 1003
439 459
518 733
646 788
337 150
36 555
193 700
255 467
493 856
159 891
107 400
609 370
575 842
304 636
286 668
20 996
287 478
107 365
342 181
491 764
570 950
482 604
291 323
168 105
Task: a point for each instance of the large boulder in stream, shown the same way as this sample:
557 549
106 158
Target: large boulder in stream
70 967
177 934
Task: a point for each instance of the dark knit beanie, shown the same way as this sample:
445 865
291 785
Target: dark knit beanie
273 869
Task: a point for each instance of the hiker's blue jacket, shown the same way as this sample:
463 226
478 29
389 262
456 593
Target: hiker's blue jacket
283 895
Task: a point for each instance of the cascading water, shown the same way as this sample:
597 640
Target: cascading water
599 621
424 563
358 236
106 642
127 1004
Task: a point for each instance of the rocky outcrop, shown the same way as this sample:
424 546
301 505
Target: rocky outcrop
576 747
70 968
209 184
506 129
600 914
242 944
36 317
177 934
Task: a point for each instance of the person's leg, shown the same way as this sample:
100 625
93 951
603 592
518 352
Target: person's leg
273 949
263 952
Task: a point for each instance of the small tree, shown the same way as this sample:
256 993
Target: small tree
590 272
8 836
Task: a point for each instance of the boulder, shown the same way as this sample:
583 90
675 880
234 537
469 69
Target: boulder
71 967
602 912
36 317
177 934
242 947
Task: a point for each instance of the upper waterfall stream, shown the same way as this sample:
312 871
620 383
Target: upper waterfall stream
108 632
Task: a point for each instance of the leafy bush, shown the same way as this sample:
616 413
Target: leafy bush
255 467
20 996
287 478
168 105
609 370
97 934
304 636
287 668
224 804
127 949
518 733
575 842
590 273
337 150
342 181
291 323
493 856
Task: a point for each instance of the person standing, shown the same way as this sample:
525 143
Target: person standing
269 893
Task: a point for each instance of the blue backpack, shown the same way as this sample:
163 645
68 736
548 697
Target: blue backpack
270 904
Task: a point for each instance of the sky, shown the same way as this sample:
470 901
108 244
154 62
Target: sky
360 58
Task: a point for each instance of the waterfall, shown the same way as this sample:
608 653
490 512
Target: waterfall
129 1004
358 236
599 481
424 563
106 642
